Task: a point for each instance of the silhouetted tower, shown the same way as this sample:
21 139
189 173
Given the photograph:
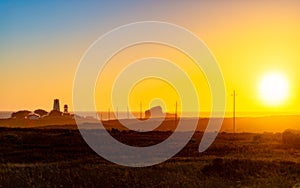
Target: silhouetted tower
66 109
56 105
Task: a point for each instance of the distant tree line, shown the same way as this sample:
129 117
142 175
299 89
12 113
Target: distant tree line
41 112
22 114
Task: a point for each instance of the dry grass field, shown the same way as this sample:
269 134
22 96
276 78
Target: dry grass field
49 157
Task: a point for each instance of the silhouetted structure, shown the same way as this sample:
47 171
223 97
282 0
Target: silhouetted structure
56 105
41 114
154 112
66 109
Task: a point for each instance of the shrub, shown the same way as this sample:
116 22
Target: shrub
291 138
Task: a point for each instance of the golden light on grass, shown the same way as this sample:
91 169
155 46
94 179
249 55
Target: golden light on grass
273 89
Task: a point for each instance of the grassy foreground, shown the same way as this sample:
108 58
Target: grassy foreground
60 158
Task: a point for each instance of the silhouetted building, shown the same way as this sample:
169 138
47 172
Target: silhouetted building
154 112
157 112
66 113
66 109
56 105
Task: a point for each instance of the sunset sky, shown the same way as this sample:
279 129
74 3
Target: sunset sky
42 42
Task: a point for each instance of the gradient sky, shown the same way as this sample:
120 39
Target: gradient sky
42 42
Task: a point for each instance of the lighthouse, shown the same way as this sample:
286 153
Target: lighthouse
56 105
66 109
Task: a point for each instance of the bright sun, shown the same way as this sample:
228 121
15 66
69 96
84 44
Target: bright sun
273 89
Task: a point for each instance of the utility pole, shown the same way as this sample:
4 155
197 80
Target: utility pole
175 120
127 112
117 113
108 115
233 115
176 111
141 107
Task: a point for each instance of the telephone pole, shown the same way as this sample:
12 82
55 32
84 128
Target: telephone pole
233 115
127 112
117 113
141 107
176 112
175 121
